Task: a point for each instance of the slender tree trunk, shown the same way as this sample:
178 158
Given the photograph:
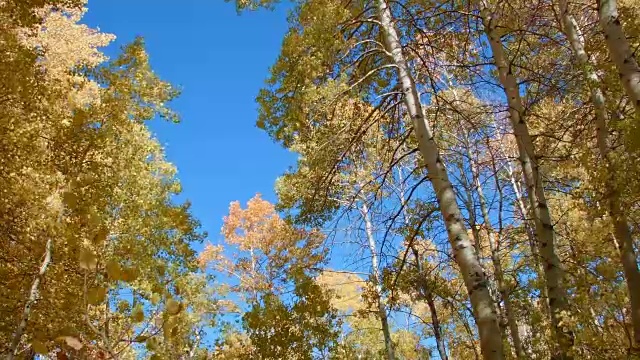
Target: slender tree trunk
544 226
619 50
194 347
473 275
624 240
437 331
522 208
428 297
629 264
33 293
426 291
382 310
467 329
531 236
522 333
497 263
470 205
477 239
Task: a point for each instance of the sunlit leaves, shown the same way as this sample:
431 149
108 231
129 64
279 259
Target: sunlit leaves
71 341
80 167
173 307
137 314
272 259
87 259
114 270
96 296
39 347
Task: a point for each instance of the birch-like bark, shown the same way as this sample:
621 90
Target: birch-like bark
538 205
531 236
382 310
472 273
194 347
497 263
620 50
622 234
477 239
471 211
33 294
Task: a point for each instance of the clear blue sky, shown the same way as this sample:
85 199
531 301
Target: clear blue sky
220 60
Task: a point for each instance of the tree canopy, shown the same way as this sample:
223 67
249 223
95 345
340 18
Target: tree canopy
466 187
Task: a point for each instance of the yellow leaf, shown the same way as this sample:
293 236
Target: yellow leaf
71 342
39 347
87 259
129 274
100 236
123 305
94 219
114 270
96 296
173 307
151 344
137 315
141 338
174 331
70 199
155 298
157 288
161 268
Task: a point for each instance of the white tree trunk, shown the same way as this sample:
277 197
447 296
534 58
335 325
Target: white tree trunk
619 50
504 294
33 294
382 310
522 208
538 205
473 275
622 234
471 212
495 259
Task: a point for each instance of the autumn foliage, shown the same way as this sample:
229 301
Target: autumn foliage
466 187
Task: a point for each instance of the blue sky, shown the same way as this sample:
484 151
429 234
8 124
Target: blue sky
219 60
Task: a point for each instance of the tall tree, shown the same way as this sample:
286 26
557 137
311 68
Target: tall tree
620 50
288 315
618 217
545 233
